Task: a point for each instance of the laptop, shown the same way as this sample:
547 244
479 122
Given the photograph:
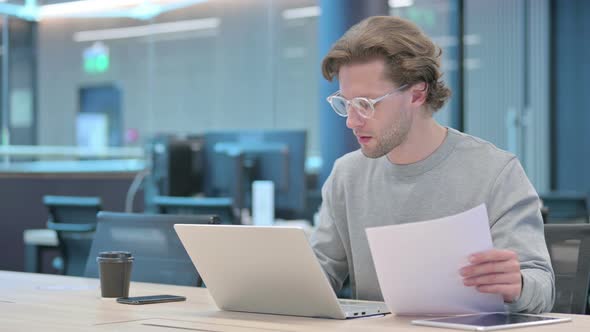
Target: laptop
271 270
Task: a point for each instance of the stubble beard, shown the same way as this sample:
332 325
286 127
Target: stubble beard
390 139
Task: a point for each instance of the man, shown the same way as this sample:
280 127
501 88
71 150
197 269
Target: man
410 168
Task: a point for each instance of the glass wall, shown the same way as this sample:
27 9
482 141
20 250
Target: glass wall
18 81
249 64
504 97
213 65
507 80
439 19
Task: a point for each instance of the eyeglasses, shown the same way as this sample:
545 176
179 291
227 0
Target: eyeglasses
364 106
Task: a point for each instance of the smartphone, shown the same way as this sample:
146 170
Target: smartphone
150 299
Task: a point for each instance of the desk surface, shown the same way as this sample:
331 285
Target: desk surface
40 302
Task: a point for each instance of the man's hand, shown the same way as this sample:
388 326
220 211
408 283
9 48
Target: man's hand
494 271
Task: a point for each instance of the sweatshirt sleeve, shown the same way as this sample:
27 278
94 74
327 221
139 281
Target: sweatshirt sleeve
517 225
326 240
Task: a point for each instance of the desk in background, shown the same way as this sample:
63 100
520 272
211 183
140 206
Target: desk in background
39 302
23 185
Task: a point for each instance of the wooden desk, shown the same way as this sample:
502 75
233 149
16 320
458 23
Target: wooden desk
40 302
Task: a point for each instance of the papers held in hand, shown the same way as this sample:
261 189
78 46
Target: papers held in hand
418 264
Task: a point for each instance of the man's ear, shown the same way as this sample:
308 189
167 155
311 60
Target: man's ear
419 93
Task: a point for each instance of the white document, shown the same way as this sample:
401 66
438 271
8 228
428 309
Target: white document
418 264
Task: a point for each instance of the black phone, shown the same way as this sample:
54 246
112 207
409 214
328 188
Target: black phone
150 299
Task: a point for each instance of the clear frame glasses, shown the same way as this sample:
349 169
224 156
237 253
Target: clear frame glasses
365 107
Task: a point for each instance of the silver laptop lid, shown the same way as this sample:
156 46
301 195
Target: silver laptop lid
260 269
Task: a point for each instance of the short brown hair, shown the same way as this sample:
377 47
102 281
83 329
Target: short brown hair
410 56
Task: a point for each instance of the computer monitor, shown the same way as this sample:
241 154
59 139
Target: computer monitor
176 166
234 159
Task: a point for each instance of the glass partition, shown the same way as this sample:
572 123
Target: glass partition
213 65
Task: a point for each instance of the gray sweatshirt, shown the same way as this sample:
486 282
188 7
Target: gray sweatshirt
462 173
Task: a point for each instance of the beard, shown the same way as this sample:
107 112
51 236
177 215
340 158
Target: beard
391 139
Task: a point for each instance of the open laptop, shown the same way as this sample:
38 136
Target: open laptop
269 270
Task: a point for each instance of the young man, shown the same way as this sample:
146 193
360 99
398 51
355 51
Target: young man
410 168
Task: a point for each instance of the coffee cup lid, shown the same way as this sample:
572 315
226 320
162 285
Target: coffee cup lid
115 255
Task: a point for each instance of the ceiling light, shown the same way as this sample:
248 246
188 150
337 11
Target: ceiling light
147 30
303 12
84 7
400 3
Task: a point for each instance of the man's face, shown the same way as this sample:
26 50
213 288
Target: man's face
392 120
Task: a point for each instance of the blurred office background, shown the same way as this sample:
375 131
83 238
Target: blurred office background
73 70
116 99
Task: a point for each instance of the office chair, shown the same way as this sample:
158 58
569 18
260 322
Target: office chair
566 207
223 207
159 256
74 220
569 248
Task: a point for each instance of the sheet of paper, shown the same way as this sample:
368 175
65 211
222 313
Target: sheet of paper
418 264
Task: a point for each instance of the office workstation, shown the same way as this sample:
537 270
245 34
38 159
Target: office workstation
61 303
292 165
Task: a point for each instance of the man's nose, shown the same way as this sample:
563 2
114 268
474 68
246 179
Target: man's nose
354 119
